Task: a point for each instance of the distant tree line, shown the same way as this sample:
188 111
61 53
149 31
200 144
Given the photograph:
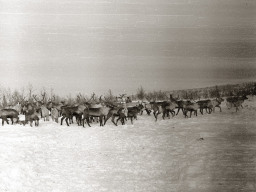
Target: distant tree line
200 93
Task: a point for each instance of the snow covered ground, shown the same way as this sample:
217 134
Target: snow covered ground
167 155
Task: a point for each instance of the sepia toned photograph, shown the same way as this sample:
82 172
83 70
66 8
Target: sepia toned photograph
127 95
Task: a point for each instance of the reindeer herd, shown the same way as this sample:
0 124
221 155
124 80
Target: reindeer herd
102 110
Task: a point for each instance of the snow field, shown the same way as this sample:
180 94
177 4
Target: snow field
166 155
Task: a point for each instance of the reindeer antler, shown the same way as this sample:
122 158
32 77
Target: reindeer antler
106 99
53 98
100 99
34 96
121 96
43 93
92 97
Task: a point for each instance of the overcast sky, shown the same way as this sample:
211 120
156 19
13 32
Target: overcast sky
94 45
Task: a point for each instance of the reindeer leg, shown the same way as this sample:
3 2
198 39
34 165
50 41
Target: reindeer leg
7 121
155 115
185 113
113 120
108 116
173 113
123 119
61 120
148 111
66 119
169 112
101 121
4 119
93 119
178 111
118 119
80 120
88 121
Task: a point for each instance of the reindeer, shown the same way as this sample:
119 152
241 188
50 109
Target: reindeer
54 114
115 111
216 103
205 104
236 102
130 112
8 113
69 111
170 108
100 112
43 109
31 114
191 107
180 103
158 108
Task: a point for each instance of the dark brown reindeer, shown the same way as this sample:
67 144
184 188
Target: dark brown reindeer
99 111
236 101
170 107
180 103
31 116
8 113
147 106
191 107
68 112
205 104
158 108
103 110
31 111
130 112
